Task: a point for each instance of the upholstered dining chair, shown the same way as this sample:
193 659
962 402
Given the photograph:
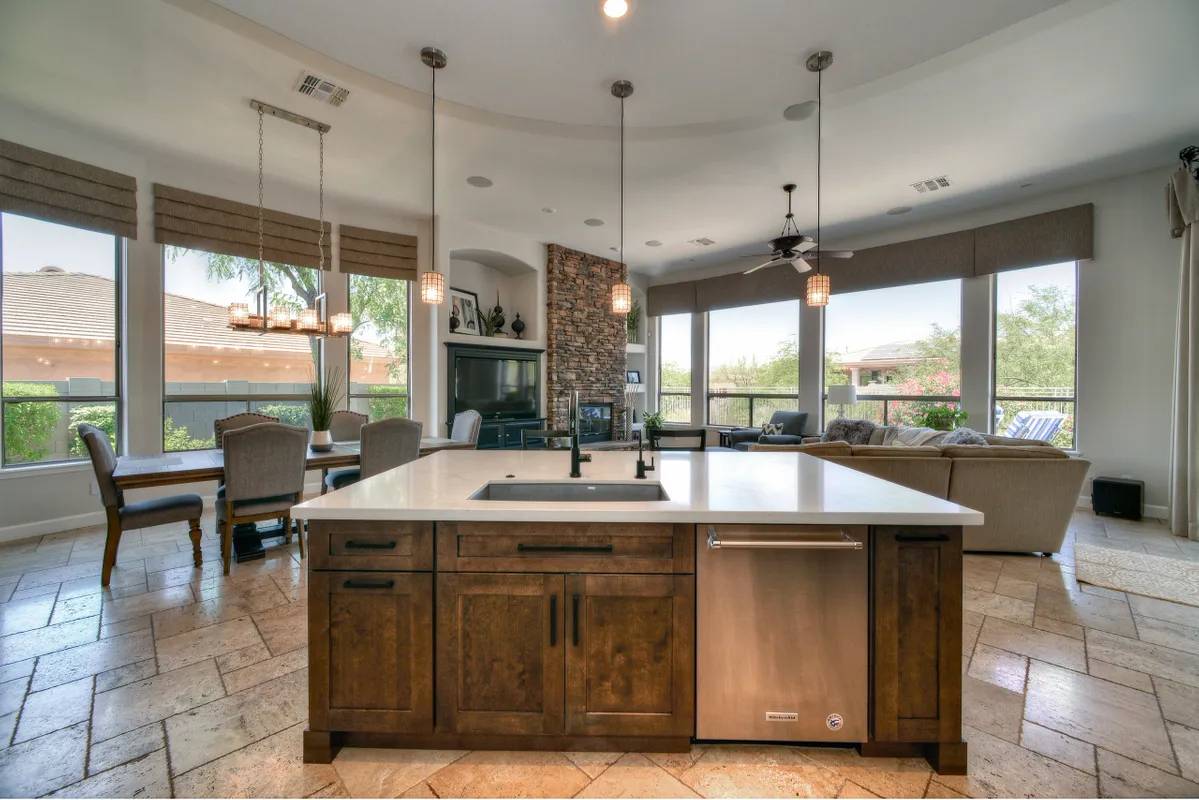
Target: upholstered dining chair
264 478
124 516
345 425
385 444
678 439
466 426
222 426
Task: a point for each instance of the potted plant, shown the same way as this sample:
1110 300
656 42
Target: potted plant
941 418
633 322
323 400
650 422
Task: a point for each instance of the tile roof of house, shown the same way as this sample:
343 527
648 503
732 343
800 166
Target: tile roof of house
59 304
891 351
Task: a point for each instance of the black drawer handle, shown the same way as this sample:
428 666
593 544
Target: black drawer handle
563 548
574 619
356 545
553 620
352 584
915 537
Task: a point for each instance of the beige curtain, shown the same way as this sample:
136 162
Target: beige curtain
1183 200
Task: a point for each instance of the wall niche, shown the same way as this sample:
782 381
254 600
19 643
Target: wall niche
491 274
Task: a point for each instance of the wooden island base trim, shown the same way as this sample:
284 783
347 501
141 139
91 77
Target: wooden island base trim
946 758
320 747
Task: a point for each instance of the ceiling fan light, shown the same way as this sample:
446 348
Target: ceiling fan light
818 289
622 298
432 288
615 8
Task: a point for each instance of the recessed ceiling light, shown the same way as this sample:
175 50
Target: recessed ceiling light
653 243
895 212
800 111
593 222
479 182
616 8
549 210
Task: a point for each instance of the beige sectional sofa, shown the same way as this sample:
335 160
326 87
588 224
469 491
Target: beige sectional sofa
1026 491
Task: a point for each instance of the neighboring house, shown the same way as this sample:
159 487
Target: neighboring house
877 365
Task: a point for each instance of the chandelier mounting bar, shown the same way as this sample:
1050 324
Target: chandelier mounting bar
290 116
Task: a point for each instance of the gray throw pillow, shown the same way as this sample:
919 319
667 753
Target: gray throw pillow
963 436
772 428
853 431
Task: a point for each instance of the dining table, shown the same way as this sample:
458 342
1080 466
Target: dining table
195 466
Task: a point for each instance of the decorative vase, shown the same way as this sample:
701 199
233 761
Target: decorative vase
518 326
322 441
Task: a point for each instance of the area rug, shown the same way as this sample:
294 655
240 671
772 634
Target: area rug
1153 576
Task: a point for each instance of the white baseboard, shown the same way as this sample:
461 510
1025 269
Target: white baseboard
1152 512
26 530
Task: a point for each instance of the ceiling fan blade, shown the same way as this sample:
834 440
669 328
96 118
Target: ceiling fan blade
808 244
769 263
830 254
801 266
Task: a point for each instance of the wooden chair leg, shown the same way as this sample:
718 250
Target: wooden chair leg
286 523
194 533
112 541
299 534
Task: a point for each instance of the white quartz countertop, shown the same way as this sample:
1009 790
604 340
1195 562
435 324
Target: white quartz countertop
710 487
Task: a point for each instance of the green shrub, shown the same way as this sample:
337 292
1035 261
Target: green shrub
175 438
287 414
29 427
103 417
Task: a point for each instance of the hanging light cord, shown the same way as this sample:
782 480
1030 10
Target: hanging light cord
320 237
819 121
261 269
433 171
622 180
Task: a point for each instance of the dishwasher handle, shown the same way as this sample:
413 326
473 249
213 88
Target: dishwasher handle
843 542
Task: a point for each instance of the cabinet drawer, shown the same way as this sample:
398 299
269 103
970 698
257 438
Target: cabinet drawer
565 547
371 545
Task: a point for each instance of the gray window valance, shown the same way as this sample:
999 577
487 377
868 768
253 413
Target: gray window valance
1049 238
203 222
379 254
39 184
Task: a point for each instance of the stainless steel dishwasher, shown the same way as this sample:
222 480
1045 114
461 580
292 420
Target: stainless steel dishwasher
781 646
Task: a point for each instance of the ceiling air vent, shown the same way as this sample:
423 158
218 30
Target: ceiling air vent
320 89
702 241
931 184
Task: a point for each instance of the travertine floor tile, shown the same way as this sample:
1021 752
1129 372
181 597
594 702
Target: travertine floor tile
592 763
936 789
370 772
126 747
1179 702
244 678
1186 747
272 767
137 704
1042 645
145 777
137 671
634 775
202 643
505 774
1164 662
991 708
25 615
1087 610
147 603
1164 609
1123 777
67 609
259 597
39 642
759 771
17 669
12 694
1001 769
999 667
91 658
851 789
54 708
1057 626
1114 717
1058 746
1168 634
1121 675
883 777
132 625
284 628
1014 587
677 763
998 605
43 765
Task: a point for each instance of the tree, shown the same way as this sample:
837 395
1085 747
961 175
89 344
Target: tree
382 303
1034 344
29 427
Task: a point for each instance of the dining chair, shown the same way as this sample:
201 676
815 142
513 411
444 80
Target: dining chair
466 426
222 426
693 439
385 444
543 438
344 426
124 516
264 478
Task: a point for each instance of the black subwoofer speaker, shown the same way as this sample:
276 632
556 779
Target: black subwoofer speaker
1118 497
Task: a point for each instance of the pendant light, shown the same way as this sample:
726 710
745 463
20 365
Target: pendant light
818 286
432 283
622 293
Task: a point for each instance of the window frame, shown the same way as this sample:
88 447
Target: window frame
995 398
689 394
349 366
120 252
708 394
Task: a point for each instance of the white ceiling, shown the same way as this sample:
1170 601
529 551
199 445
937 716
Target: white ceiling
980 91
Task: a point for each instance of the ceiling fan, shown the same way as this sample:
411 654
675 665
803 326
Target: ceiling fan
792 247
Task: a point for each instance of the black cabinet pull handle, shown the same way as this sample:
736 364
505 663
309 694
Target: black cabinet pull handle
352 584
553 620
351 544
916 537
574 619
563 548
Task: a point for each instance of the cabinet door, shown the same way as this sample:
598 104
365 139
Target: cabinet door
371 651
630 668
499 653
917 634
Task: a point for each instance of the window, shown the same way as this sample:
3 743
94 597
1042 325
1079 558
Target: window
378 374
1035 316
211 371
895 344
59 362
674 368
753 363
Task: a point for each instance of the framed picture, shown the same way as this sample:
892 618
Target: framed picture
464 312
632 376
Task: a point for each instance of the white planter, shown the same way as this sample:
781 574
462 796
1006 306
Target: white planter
322 440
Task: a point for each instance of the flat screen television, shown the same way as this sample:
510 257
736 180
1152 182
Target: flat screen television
496 387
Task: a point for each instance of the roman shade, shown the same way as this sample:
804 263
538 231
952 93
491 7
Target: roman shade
764 286
670 298
379 254
934 258
39 184
1050 238
216 225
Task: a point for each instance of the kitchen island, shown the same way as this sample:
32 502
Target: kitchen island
485 600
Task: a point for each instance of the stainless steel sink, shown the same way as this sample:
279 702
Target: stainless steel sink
571 492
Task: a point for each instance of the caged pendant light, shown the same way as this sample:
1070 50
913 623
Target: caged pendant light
622 293
432 283
818 285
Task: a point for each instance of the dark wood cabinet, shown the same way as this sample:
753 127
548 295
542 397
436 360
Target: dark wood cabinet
371 651
630 667
916 642
499 653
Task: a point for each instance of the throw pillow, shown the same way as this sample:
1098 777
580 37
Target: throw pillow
772 428
964 436
853 431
